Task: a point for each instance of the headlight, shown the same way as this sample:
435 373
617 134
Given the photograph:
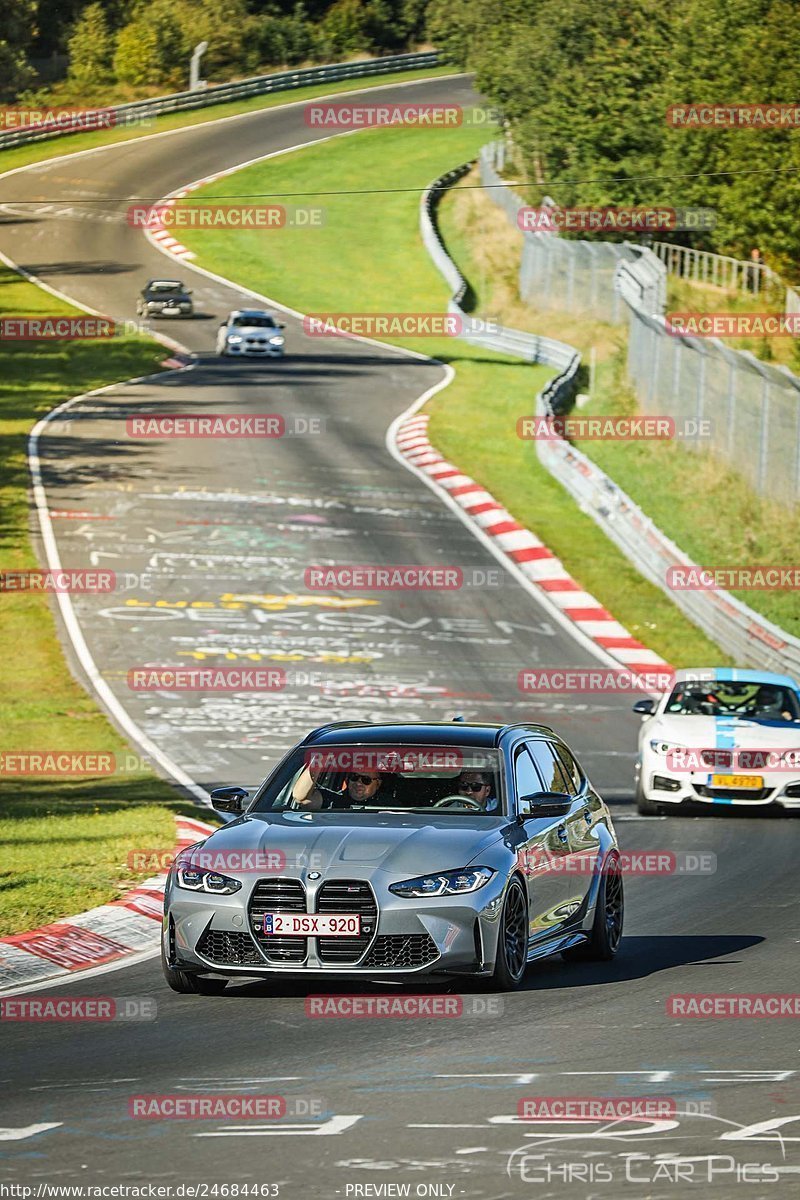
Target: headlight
198 879
234 340
444 883
659 747
277 341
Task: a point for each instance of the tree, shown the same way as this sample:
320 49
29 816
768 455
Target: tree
91 48
17 30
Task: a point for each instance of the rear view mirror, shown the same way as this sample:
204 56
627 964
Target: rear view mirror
645 707
230 799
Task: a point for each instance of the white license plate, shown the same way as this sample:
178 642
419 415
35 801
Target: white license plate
171 312
312 924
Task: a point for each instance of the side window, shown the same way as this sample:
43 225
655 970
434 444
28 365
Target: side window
550 768
525 775
571 768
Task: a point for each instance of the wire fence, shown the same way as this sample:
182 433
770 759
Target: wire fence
740 630
750 409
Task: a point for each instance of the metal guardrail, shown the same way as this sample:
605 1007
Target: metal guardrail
721 270
743 633
135 111
528 346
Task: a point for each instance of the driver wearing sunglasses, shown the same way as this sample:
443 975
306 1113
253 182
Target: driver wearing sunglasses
361 787
477 785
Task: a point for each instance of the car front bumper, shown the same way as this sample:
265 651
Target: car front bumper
259 351
662 786
222 935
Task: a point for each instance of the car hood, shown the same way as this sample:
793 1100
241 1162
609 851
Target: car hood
403 846
709 733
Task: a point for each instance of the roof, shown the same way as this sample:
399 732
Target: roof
736 675
435 733
252 312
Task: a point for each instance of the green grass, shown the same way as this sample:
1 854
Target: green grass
697 500
35 152
63 841
386 267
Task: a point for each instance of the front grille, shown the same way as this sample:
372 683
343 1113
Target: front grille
347 896
732 793
227 949
402 952
278 895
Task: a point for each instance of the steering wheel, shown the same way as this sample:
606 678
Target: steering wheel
453 801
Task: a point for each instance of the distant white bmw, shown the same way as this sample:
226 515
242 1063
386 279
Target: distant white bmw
250 333
720 736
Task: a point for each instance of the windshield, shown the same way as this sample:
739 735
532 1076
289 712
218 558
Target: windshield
164 286
254 322
765 701
401 778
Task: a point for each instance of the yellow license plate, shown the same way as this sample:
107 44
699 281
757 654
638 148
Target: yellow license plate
737 781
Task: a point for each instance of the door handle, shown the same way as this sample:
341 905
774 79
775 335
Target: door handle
562 833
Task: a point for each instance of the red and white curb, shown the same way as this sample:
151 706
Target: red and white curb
102 935
524 549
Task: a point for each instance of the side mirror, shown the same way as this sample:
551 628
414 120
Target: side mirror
544 804
645 707
281 325
230 799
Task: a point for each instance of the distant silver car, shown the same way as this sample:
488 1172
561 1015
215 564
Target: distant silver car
398 850
251 333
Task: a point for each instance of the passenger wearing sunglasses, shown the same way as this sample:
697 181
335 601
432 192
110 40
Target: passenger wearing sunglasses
477 785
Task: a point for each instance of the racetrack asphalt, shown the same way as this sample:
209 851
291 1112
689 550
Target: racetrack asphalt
212 539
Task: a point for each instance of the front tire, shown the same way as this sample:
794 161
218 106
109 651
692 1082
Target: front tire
609 915
186 983
644 806
512 945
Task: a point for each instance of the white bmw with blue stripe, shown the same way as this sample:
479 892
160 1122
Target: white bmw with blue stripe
721 736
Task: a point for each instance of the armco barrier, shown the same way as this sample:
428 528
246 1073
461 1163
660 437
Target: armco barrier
528 346
741 632
258 85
